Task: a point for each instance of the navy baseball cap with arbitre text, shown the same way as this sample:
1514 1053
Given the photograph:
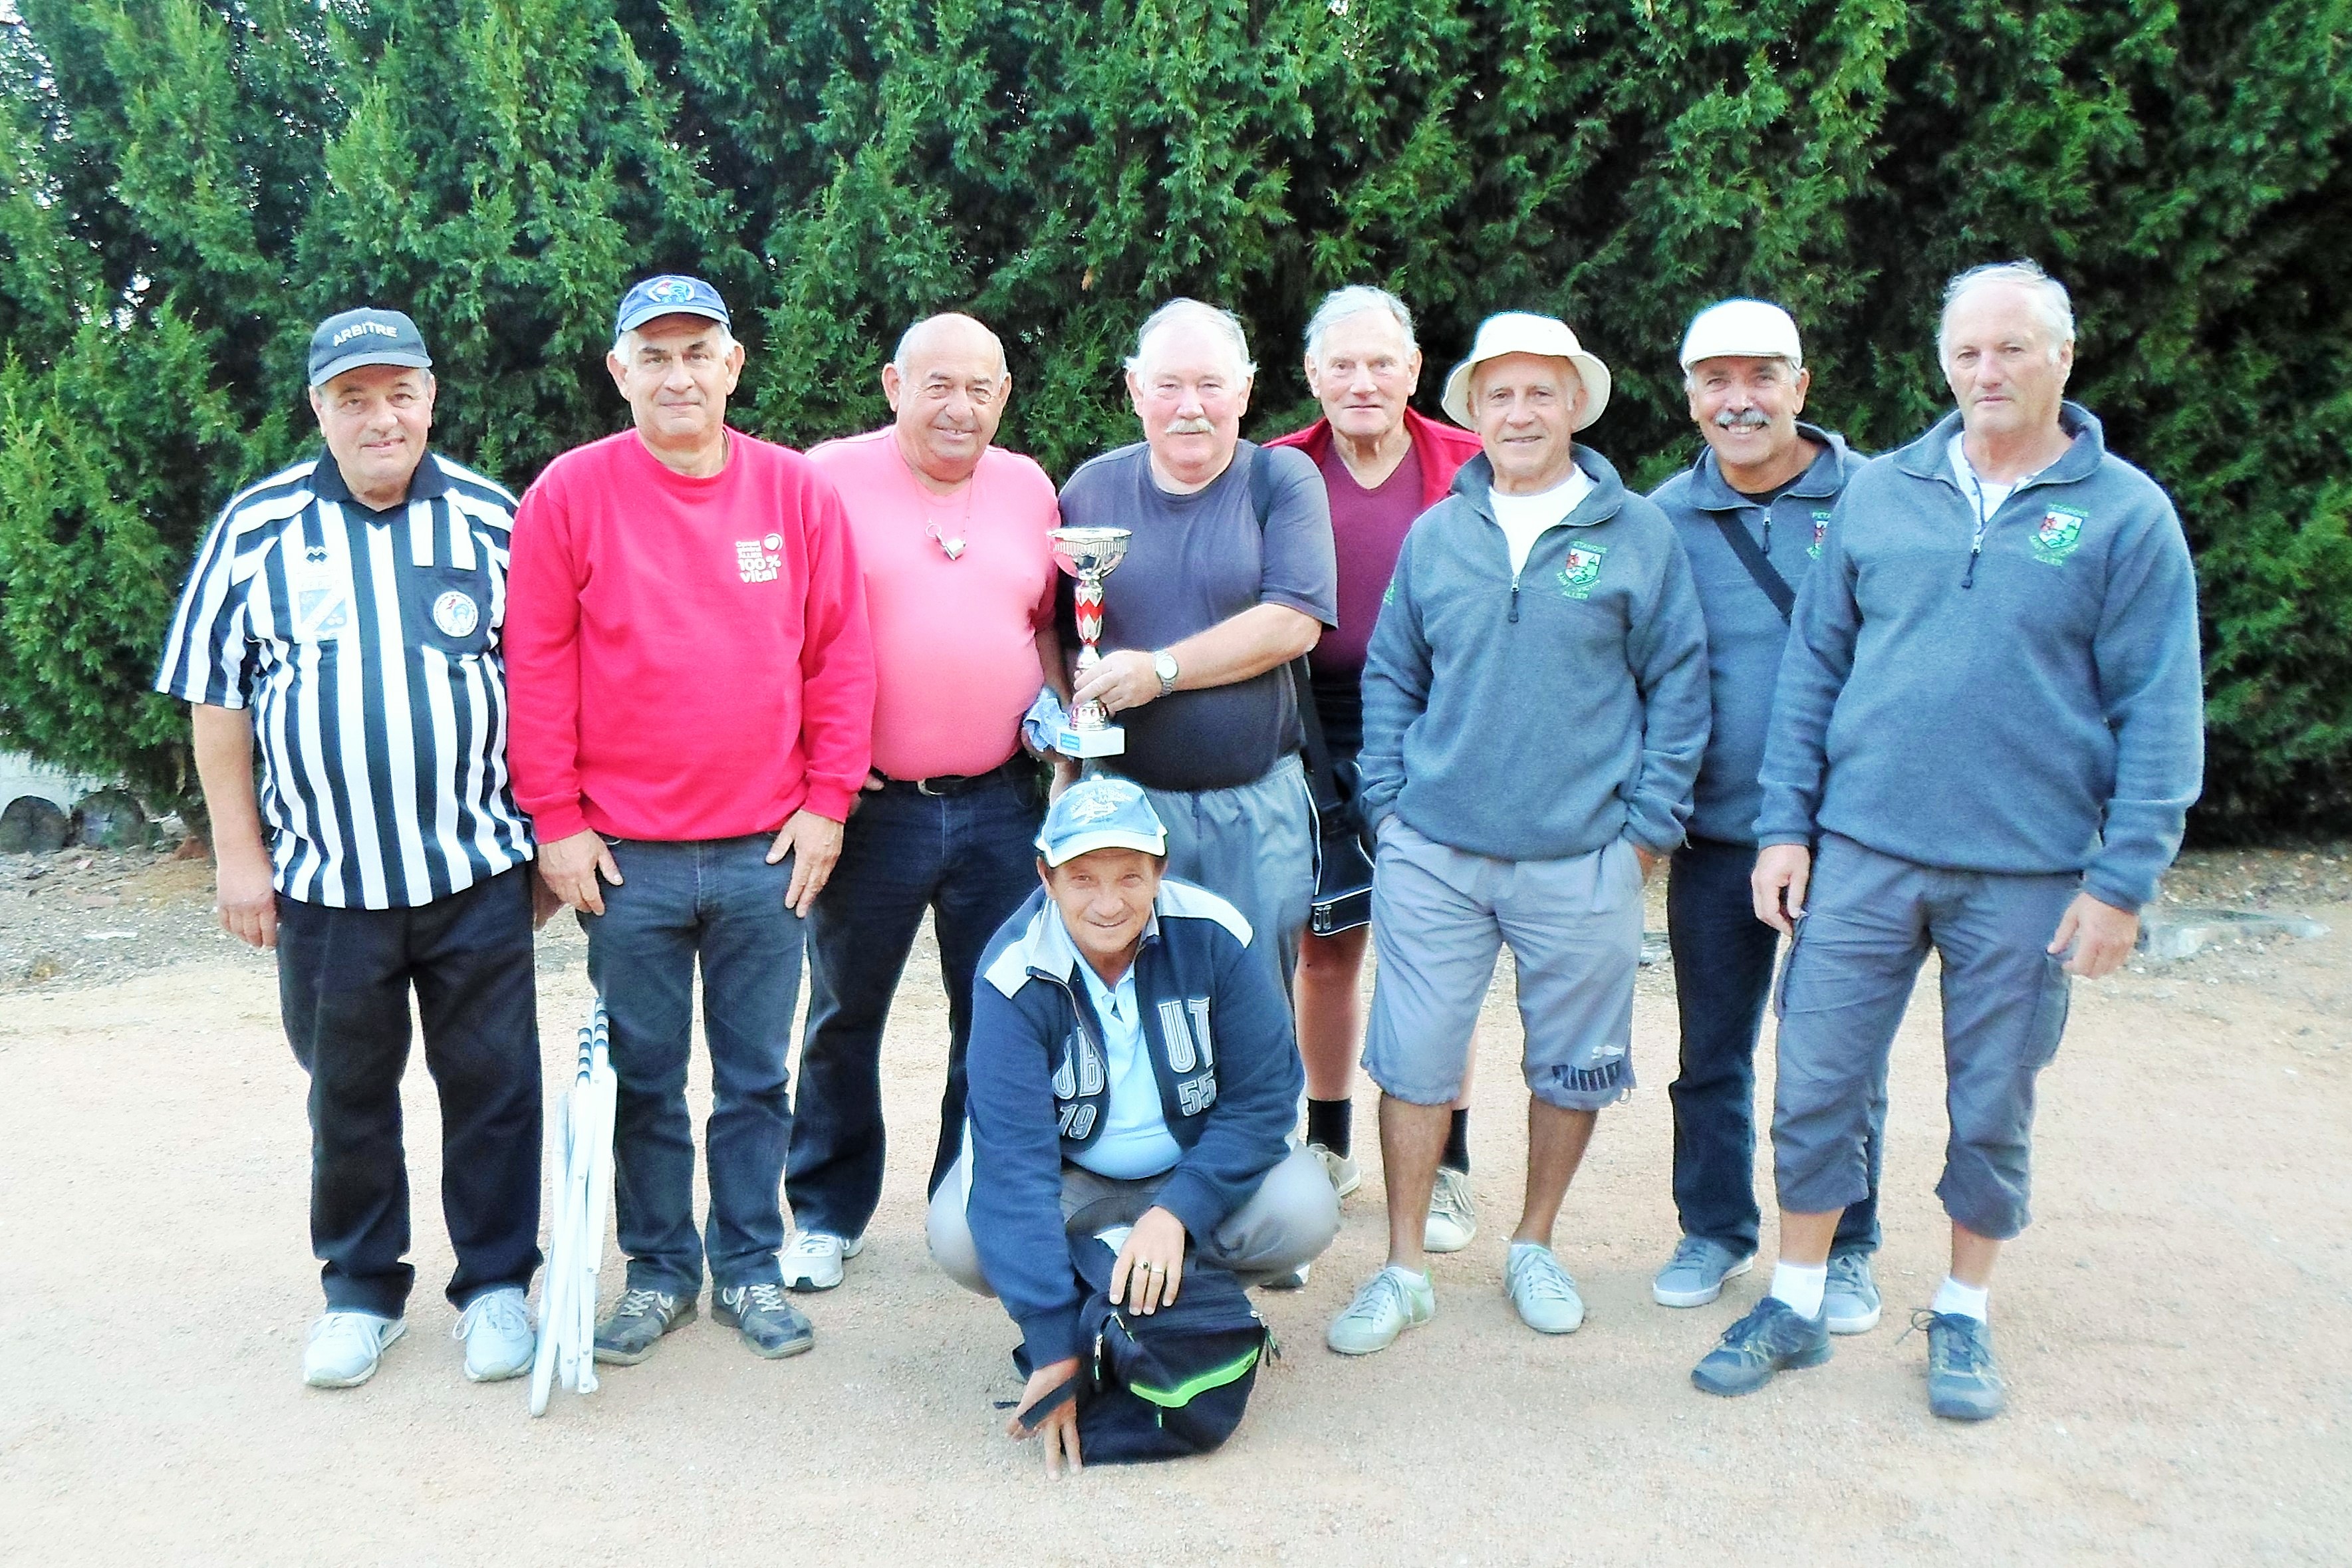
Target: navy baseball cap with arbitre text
350 338
671 294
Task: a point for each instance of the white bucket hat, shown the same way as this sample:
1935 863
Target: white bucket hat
1742 328
1523 333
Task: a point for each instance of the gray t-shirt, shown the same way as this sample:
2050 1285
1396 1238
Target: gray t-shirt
1194 561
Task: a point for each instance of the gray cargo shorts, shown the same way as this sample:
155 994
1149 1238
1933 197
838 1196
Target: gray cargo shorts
1440 917
1870 921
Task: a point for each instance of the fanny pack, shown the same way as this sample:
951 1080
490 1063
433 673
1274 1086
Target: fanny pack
1162 1386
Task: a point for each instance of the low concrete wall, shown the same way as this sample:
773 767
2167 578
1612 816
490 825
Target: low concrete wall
21 775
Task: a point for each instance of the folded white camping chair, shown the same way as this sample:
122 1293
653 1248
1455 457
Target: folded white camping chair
583 1196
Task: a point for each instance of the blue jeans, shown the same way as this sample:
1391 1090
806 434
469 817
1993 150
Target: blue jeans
719 901
970 859
1723 974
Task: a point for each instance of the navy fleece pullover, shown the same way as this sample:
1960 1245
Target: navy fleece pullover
1218 1029
1545 714
1745 633
2035 706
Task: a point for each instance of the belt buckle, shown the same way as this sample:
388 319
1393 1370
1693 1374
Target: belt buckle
923 787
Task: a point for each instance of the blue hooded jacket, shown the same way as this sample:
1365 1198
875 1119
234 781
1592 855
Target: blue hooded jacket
1745 633
1219 1034
2033 706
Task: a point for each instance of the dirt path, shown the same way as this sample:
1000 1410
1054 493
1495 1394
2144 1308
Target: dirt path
2173 1327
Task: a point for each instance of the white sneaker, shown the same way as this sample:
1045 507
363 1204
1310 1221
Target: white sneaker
1452 1217
1345 1173
1542 1289
344 1347
496 1328
1392 1302
811 1259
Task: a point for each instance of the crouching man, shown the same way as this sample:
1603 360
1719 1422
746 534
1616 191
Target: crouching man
1132 1065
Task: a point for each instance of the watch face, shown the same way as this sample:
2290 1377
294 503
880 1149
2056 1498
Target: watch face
1165 666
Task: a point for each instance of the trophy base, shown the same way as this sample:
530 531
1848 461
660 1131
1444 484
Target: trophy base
1107 742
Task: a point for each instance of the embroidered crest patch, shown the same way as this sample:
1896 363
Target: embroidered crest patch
2060 534
455 613
1577 578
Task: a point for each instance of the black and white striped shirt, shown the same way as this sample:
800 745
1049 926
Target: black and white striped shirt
367 644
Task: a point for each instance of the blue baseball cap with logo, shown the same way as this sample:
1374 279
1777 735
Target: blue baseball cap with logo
1100 813
671 294
351 339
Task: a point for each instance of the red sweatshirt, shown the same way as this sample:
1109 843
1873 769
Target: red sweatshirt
686 658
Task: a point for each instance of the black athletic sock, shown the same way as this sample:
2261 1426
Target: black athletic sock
1457 1142
1332 1123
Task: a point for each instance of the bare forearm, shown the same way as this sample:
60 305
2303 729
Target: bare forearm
1260 638
223 747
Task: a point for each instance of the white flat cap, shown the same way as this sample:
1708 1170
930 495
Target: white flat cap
1745 328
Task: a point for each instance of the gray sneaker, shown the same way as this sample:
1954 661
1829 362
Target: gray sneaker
1771 1339
1693 1276
1452 1216
769 1323
1963 1384
637 1321
1849 1299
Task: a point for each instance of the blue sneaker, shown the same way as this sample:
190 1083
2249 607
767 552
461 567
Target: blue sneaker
1771 1338
1849 1299
1693 1276
1962 1382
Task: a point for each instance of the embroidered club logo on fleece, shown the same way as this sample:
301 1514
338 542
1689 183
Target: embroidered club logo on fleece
1582 569
2060 533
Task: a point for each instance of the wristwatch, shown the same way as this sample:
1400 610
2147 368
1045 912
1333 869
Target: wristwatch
1163 665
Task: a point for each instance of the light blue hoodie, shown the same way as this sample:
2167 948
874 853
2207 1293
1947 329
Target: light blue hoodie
1745 633
1545 714
2034 706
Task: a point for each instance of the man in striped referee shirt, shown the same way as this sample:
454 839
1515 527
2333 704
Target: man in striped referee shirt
346 613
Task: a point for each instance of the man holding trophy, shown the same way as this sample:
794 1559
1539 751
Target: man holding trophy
1223 579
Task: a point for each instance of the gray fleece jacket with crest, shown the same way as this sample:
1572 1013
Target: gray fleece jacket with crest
2028 700
1546 713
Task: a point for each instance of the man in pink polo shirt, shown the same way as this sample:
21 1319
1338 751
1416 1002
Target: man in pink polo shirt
952 540
693 694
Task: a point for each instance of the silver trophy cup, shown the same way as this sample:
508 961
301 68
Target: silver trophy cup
1088 555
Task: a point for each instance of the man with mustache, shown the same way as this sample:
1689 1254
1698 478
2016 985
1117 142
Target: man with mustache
1752 514
951 544
1212 602
693 718
1986 734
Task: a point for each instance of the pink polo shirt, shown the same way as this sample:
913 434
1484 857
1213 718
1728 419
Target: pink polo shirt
955 639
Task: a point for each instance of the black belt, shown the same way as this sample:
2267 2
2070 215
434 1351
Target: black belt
939 784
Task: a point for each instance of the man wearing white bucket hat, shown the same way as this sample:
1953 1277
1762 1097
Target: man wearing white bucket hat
1753 512
1535 709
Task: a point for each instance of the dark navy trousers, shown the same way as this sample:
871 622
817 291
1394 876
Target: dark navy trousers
1723 976
343 982
968 858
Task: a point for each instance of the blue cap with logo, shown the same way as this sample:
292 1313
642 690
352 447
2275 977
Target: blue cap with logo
351 339
1100 813
671 294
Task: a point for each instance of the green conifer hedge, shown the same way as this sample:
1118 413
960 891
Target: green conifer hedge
185 186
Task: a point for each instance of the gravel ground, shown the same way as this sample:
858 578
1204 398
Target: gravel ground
2172 1326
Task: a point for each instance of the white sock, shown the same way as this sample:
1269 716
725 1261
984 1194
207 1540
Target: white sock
1800 1287
1968 1301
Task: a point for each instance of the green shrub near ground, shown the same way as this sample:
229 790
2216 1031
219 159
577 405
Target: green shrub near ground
186 187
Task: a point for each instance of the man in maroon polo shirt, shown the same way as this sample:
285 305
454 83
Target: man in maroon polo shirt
1384 464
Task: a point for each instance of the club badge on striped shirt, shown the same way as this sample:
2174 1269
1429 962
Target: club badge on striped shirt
455 613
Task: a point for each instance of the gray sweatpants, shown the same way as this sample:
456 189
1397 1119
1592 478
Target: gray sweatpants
1254 847
1870 921
1287 1222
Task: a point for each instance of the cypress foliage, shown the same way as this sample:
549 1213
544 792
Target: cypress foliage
186 186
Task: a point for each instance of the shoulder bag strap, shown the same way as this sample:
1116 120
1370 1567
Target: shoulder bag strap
1759 565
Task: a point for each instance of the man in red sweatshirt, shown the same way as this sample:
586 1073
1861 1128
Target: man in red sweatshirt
693 705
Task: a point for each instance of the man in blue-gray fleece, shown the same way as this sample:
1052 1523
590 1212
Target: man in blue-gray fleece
1753 513
1986 736
1535 709
1132 1071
